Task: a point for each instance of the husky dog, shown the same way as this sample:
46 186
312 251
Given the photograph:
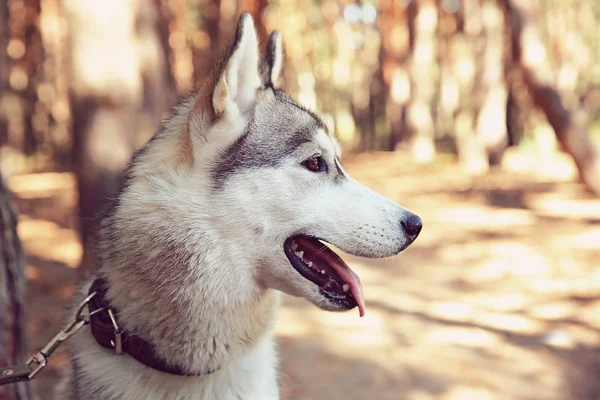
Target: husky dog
224 208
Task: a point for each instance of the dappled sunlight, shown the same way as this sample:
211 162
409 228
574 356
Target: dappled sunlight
583 240
32 273
469 337
544 166
338 331
460 392
577 334
553 310
508 322
46 240
576 286
497 299
503 302
451 310
481 117
487 304
485 217
29 185
499 265
560 205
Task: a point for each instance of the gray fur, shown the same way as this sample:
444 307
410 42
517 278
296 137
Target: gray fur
268 141
272 64
197 271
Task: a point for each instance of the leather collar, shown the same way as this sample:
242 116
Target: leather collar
106 331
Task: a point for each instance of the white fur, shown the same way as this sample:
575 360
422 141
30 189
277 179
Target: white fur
195 270
284 200
236 88
252 376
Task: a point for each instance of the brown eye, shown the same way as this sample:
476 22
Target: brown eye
315 164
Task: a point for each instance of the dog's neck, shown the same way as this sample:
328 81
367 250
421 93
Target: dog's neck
174 286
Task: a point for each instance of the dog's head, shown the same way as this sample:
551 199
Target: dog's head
269 174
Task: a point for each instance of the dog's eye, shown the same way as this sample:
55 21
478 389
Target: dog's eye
315 164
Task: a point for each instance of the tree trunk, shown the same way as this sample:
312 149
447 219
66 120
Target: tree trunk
491 126
54 98
255 8
27 54
13 347
450 23
106 99
205 41
164 19
4 65
180 52
467 68
394 24
158 82
529 54
424 76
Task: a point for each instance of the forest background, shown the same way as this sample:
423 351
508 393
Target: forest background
483 116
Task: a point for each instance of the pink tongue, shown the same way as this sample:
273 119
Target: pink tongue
349 277
334 261
353 280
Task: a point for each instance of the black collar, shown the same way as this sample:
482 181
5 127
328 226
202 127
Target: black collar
107 332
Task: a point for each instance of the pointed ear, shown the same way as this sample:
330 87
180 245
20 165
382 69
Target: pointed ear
273 61
235 89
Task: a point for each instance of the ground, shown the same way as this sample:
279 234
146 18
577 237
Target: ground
499 298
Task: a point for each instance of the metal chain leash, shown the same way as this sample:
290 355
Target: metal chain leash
37 362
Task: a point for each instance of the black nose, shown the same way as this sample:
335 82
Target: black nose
412 225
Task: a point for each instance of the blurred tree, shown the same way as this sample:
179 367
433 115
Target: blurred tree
529 53
164 19
423 73
153 53
53 90
33 89
205 39
25 54
364 69
256 8
228 9
118 93
212 27
24 74
4 37
450 22
492 90
468 47
13 346
396 19
420 75
176 14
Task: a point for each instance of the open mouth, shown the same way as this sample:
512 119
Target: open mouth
320 265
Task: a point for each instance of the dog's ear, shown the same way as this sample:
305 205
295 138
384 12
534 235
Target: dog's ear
273 61
239 78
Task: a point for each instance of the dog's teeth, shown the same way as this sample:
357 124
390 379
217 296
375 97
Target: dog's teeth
300 254
294 246
310 264
345 287
322 272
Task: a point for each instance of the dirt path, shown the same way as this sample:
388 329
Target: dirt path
498 299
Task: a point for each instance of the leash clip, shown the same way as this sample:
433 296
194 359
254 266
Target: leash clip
39 361
118 342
